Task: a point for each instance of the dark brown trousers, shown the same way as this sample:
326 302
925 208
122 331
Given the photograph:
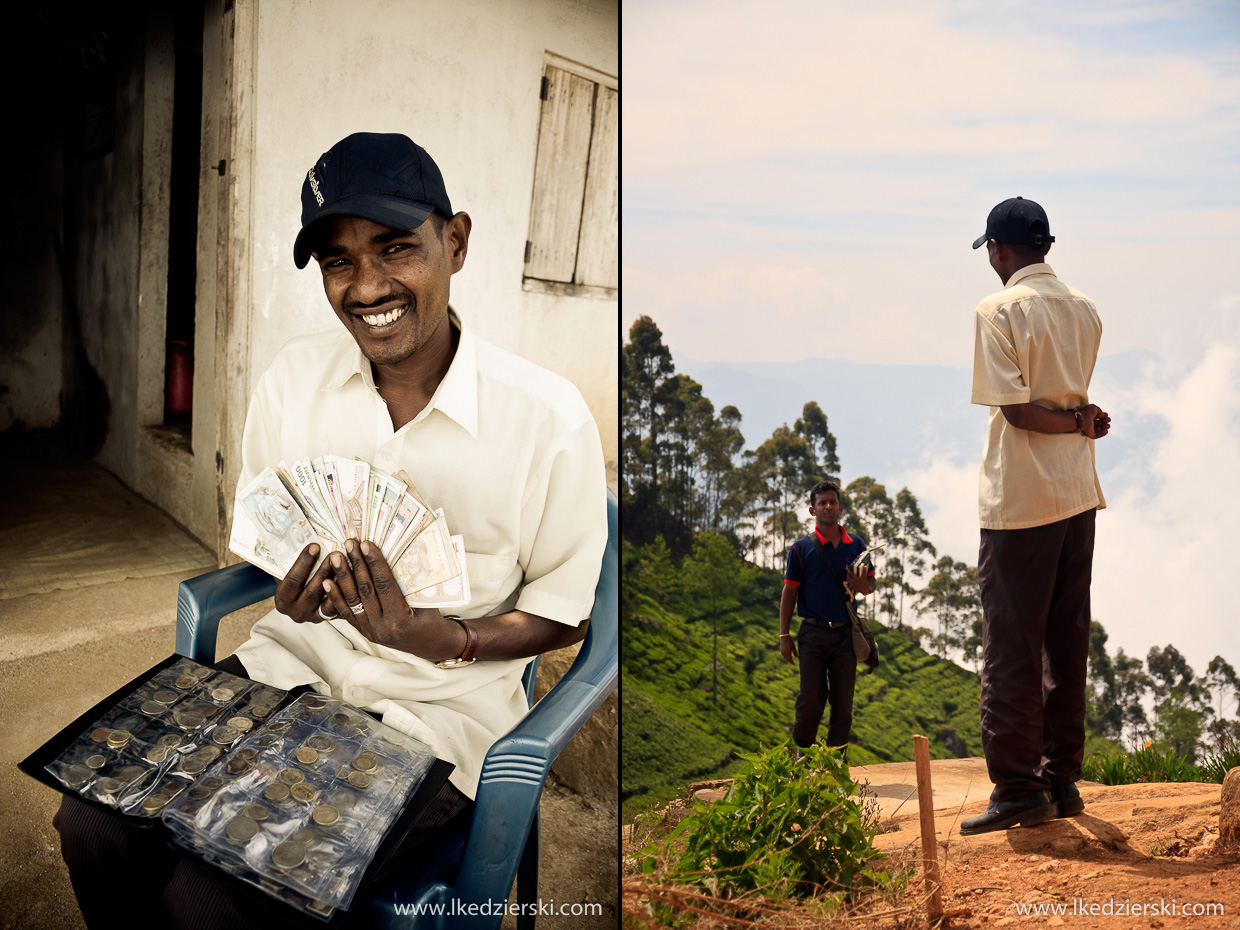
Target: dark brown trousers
828 675
1035 647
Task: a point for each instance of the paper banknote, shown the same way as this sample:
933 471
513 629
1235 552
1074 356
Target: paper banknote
330 499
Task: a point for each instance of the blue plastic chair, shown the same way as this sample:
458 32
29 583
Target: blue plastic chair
480 861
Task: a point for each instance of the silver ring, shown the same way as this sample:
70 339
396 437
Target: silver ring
358 609
323 616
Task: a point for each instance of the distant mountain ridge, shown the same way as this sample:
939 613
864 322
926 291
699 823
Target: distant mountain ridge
892 419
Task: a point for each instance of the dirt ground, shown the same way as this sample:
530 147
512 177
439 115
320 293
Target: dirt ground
1138 856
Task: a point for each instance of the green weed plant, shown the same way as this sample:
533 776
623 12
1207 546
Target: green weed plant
786 828
1150 762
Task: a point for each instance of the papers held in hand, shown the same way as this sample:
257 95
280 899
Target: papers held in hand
331 499
862 560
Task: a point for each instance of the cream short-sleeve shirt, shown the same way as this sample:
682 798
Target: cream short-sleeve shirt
511 453
1036 342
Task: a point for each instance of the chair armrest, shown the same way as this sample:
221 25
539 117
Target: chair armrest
516 766
203 601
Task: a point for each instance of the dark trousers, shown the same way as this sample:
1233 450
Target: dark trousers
1035 647
111 861
828 675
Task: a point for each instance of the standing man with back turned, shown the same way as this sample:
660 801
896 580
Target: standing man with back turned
829 664
1036 344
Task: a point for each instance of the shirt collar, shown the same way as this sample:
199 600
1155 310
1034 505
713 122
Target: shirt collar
1029 271
844 537
457 394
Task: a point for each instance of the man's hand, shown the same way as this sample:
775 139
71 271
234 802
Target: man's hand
858 582
788 648
300 596
366 594
1095 422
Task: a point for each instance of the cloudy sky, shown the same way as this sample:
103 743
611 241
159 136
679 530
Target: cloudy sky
805 180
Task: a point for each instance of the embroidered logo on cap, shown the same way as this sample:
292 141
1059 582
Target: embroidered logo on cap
314 186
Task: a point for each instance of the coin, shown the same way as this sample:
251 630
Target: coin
169 740
302 792
237 765
276 791
118 738
199 793
96 761
155 802
209 710
109 785
241 724
130 773
200 672
321 743
349 732
190 719
325 815
341 719
193 765
291 776
288 855
100 734
185 682
77 775
241 830
210 753
260 711
306 837
255 812
306 755
165 696
224 734
157 755
223 695
211 782
359 779
281 727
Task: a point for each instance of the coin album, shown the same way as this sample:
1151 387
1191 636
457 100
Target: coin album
298 795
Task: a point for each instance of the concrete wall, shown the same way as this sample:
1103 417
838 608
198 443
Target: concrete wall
462 80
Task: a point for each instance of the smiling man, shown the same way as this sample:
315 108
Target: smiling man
508 450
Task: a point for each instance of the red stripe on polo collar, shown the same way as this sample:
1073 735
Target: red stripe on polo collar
844 537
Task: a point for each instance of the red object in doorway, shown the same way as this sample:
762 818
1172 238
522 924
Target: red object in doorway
179 380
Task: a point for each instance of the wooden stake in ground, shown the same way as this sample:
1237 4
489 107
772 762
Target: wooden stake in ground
929 838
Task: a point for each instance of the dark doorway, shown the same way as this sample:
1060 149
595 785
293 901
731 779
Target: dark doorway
183 218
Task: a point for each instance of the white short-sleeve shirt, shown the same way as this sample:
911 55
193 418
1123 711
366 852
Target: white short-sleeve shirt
1036 342
511 453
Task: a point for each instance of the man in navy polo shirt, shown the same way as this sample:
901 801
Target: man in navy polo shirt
824 641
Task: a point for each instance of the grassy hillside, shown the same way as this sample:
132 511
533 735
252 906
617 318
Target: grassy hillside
678 728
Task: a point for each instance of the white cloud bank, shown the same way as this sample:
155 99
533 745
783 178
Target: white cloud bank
1166 549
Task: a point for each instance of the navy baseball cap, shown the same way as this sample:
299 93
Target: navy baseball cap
383 177
1015 222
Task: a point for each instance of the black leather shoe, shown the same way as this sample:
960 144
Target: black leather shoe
1001 815
1068 800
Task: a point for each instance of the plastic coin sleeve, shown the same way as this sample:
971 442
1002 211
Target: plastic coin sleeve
160 737
304 803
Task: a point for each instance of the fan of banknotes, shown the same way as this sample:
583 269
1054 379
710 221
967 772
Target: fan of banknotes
331 499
